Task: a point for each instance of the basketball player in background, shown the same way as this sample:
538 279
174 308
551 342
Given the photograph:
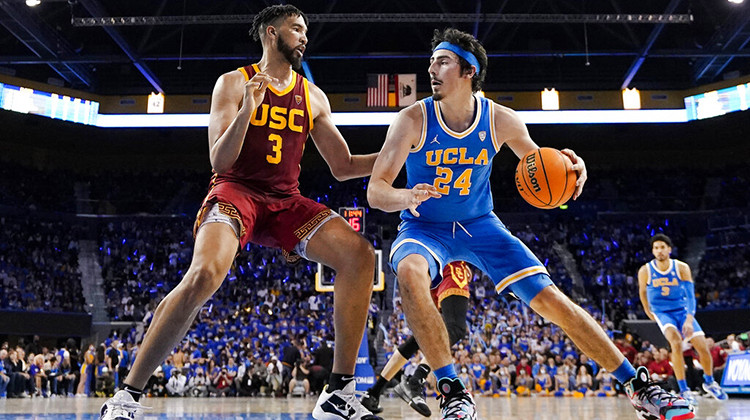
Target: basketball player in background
451 297
447 143
667 293
261 115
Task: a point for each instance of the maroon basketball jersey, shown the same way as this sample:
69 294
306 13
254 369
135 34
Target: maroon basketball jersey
269 161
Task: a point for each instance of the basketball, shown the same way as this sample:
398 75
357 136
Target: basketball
544 178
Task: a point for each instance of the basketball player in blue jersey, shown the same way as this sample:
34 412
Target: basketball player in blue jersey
447 143
667 293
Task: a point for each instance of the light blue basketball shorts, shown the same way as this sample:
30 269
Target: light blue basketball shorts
676 319
484 242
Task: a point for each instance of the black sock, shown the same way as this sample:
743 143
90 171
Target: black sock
421 373
338 381
134 392
378 387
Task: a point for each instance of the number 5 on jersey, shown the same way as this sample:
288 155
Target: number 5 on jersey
275 158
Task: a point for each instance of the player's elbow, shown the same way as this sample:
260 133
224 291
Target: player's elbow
373 198
220 166
221 169
340 175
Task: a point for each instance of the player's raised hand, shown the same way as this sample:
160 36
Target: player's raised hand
579 166
419 194
255 89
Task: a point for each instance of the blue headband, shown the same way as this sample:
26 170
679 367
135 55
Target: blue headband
445 45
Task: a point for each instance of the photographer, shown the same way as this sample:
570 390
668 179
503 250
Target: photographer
177 384
274 380
199 384
300 375
221 385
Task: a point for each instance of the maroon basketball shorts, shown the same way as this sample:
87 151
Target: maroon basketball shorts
456 278
286 222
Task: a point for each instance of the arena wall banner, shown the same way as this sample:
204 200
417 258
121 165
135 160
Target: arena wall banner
363 373
736 379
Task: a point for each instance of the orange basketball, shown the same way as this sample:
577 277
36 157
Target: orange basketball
545 179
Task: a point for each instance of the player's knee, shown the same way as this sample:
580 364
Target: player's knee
410 271
553 305
202 281
364 254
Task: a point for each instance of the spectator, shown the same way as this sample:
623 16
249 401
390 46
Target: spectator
177 386
198 384
606 384
300 375
274 380
4 378
584 381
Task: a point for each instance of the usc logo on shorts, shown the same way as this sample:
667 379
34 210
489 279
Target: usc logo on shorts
278 118
459 272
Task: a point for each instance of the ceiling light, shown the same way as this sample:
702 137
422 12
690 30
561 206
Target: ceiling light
32 3
736 1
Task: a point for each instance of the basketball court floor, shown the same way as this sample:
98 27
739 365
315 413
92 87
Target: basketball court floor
296 409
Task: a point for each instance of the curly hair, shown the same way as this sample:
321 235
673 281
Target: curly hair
269 15
468 43
661 237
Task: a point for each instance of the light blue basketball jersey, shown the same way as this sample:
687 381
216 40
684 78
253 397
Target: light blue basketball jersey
664 290
457 164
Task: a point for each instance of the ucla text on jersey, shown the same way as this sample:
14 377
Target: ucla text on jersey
457 164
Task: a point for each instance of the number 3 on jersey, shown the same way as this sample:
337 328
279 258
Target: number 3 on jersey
445 176
275 158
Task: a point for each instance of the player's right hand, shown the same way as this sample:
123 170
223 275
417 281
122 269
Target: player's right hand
255 89
419 194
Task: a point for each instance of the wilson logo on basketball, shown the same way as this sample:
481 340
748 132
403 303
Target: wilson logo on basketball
531 169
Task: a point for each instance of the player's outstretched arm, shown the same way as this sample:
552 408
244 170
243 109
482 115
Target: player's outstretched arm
513 132
331 143
403 134
232 103
687 284
642 290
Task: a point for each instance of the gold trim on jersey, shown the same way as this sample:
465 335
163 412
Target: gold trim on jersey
244 73
286 89
306 87
493 136
423 134
518 275
464 133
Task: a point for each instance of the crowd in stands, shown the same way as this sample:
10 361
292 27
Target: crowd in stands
270 343
39 265
267 332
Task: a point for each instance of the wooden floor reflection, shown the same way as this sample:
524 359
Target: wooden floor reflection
295 409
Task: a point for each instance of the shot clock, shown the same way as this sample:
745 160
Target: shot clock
355 216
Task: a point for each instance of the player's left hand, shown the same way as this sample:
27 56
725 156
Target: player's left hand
687 327
579 166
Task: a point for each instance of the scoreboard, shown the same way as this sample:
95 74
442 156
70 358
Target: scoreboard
355 216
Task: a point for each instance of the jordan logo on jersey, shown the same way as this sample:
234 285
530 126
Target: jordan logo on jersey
435 140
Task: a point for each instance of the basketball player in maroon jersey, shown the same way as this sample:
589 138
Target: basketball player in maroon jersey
261 116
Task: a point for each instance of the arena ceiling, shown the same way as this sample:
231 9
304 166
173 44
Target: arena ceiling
181 46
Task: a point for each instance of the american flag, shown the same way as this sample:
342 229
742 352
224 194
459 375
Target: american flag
377 90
